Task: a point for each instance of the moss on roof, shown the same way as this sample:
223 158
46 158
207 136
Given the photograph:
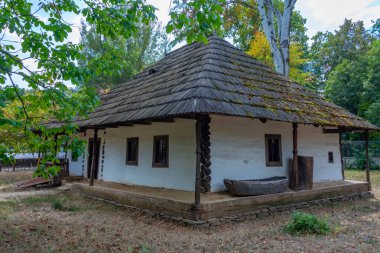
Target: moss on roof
216 78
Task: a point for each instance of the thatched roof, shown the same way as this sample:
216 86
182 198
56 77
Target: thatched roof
216 78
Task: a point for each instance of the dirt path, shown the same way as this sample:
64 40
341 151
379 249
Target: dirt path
4 196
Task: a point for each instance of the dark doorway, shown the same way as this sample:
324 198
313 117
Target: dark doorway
90 156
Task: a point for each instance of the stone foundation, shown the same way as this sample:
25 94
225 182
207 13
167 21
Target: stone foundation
256 214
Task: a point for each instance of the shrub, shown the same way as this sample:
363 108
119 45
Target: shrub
73 208
359 155
304 223
57 204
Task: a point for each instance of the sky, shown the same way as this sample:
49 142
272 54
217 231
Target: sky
321 15
327 15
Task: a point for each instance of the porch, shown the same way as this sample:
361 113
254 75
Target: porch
179 204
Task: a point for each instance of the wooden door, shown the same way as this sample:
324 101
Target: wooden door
90 156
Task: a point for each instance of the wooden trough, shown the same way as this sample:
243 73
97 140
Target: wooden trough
256 187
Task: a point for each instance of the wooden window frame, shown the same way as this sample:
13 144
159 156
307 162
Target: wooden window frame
269 163
330 154
134 163
160 165
74 159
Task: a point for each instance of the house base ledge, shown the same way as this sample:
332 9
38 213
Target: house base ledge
184 213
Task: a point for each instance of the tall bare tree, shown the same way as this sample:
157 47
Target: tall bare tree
278 38
197 19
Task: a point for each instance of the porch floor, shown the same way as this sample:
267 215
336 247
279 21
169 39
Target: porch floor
178 203
188 196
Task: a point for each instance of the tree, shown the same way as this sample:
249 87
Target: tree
345 84
114 61
278 39
10 136
260 49
37 33
328 50
375 29
371 94
355 85
242 21
195 20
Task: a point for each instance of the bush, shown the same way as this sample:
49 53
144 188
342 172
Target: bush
73 208
57 204
304 223
359 155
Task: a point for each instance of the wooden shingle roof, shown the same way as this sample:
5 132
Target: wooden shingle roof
216 78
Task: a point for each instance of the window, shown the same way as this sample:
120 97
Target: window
132 151
161 151
273 150
74 156
331 157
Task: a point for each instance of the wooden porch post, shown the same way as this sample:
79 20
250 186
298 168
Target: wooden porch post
198 164
93 157
295 175
367 161
341 155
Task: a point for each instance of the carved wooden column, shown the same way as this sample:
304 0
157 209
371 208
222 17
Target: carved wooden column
203 162
198 163
93 157
367 161
295 176
205 154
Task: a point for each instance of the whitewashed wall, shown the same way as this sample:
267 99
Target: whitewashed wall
75 166
79 167
238 150
182 157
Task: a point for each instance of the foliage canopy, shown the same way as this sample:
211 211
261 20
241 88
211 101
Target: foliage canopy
259 48
45 78
114 61
36 34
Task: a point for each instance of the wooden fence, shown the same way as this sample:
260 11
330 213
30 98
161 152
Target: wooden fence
23 164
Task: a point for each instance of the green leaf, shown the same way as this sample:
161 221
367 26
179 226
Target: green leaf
169 28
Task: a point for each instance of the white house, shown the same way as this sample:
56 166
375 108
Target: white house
207 112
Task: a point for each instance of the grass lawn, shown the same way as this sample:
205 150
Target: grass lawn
359 175
67 222
8 178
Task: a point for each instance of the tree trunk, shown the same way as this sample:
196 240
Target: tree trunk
279 43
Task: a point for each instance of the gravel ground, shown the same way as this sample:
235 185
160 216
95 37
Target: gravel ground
35 224
64 222
6 196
